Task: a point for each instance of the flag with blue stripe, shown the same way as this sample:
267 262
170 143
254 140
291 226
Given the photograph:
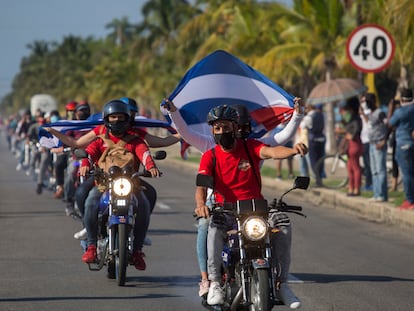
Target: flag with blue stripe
49 141
221 78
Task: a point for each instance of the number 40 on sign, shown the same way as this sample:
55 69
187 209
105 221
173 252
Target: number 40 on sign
370 48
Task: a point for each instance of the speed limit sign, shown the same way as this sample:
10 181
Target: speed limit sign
370 48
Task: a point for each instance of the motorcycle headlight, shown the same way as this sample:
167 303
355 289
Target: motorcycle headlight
122 186
254 228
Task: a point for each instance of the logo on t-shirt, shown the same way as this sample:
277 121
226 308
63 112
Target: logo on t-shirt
244 165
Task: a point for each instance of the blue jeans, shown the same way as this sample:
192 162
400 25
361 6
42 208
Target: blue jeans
367 166
378 163
316 152
202 230
82 192
91 217
405 160
304 165
70 180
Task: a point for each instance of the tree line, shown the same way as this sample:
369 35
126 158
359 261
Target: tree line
296 46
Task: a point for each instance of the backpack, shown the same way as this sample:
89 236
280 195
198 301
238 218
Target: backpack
116 154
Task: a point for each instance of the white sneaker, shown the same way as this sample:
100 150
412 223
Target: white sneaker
69 211
215 294
147 241
19 167
81 235
204 287
287 296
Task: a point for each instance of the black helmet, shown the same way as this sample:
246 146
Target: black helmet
112 107
245 125
223 112
244 115
132 104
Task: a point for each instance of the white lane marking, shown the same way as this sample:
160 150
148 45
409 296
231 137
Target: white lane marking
162 205
294 279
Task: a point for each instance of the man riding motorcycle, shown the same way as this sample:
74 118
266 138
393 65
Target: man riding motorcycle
235 166
205 142
116 117
82 112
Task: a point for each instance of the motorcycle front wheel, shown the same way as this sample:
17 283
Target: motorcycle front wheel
260 291
121 258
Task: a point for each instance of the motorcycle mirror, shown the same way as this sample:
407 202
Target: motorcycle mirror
80 153
205 181
160 155
301 182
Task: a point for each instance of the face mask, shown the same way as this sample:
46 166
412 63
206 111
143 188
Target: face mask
226 140
119 128
54 119
364 105
347 116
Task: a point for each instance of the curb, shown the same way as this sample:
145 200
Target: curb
381 213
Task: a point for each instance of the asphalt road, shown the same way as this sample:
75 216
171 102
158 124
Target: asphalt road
339 262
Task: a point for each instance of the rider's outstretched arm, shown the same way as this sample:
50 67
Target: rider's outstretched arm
285 135
198 140
289 131
81 142
158 142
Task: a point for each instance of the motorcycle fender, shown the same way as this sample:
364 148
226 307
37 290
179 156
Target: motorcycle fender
260 263
116 220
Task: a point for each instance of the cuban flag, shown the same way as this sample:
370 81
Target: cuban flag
221 78
49 141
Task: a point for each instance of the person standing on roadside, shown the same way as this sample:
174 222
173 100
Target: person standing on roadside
377 134
364 111
352 134
403 120
314 122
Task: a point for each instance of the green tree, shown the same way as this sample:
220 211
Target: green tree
121 30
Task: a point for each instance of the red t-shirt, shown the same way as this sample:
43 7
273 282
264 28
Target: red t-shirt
234 176
137 146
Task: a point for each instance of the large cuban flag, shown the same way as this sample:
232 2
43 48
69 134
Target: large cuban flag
49 141
221 78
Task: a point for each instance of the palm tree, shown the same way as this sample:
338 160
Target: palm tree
318 30
122 30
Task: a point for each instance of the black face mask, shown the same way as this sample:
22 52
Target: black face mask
226 140
119 128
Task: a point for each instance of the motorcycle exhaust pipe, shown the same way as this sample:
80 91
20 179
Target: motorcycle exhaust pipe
236 301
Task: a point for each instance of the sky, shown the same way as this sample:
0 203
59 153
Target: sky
24 21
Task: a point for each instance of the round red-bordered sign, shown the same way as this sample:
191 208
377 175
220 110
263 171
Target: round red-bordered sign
370 48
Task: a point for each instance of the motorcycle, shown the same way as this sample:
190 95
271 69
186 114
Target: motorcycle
247 278
116 218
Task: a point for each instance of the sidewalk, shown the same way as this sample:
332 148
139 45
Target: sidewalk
384 212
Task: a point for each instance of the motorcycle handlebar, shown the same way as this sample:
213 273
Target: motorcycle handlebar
292 208
145 174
